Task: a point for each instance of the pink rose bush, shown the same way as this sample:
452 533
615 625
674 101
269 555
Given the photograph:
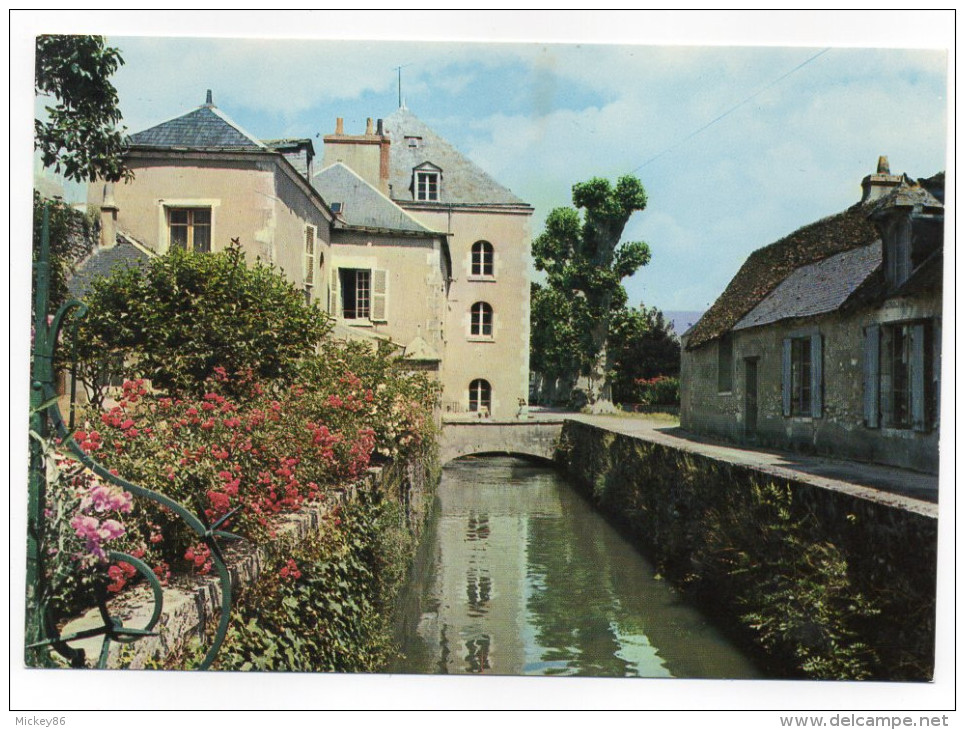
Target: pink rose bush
255 450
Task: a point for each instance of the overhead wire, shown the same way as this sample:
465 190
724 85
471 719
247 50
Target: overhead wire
732 109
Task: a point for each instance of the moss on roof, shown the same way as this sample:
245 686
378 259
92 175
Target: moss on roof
769 266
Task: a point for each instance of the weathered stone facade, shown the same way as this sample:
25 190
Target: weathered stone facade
841 353
840 430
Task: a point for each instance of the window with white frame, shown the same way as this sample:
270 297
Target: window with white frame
480 396
426 185
362 294
481 320
482 259
189 229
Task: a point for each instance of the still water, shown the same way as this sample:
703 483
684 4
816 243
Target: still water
519 575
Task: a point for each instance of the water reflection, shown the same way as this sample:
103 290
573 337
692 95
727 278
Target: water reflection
519 575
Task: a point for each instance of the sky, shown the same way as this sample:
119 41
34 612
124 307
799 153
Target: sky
736 146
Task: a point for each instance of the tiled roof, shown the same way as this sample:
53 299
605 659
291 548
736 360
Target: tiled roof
463 182
769 266
361 204
204 128
816 288
104 261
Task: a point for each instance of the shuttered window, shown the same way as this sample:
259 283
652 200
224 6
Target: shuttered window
900 387
725 364
363 294
802 376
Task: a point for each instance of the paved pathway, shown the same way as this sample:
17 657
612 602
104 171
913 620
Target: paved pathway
911 490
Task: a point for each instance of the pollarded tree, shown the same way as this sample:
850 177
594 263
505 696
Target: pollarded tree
583 257
80 136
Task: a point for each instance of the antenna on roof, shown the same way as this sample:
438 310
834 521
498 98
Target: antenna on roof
399 69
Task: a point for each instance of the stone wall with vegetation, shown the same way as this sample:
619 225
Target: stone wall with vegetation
818 583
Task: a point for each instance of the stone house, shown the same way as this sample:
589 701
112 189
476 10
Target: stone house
431 255
829 340
486 323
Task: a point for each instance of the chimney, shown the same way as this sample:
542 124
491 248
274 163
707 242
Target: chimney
108 235
384 143
881 183
339 125
208 101
368 127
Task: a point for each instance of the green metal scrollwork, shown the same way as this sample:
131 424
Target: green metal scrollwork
44 411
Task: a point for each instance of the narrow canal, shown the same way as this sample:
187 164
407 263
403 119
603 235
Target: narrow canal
519 575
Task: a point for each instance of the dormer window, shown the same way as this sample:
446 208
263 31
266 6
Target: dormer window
426 182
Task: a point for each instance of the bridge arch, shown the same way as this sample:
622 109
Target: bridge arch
524 438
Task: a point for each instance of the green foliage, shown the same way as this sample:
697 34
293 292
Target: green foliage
643 346
73 236
189 313
759 557
80 136
557 346
323 605
793 589
585 262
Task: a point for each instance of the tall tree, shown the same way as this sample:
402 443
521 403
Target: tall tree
584 259
80 136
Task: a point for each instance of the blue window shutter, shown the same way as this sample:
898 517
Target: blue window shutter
872 338
817 376
786 377
918 377
937 371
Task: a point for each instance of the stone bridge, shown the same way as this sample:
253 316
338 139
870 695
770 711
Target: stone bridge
522 437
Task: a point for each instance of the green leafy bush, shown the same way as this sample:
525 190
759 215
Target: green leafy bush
658 391
322 605
187 314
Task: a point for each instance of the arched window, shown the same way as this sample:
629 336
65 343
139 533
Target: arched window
481 320
482 258
480 395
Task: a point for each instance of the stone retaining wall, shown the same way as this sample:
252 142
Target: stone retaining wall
706 527
192 604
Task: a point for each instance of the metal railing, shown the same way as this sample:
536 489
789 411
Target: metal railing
44 414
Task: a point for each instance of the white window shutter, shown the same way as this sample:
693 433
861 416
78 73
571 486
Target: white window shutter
872 374
333 293
817 376
380 284
918 377
786 377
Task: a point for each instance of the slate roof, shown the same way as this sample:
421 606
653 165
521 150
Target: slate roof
104 261
363 206
816 288
767 267
207 127
463 182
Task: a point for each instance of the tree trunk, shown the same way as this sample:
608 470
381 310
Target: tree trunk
595 386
